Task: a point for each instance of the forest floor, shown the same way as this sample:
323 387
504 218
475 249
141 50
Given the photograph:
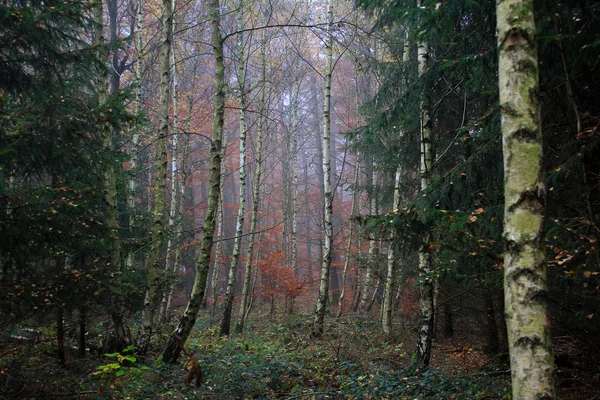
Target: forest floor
277 360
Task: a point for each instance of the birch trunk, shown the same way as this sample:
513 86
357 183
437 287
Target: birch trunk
294 188
181 198
319 319
186 323
214 282
386 322
350 237
139 46
372 248
120 337
426 286
525 287
233 267
170 265
244 301
155 258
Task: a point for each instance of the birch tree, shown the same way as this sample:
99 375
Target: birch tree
120 336
386 320
155 258
241 77
531 357
219 245
368 283
186 323
241 319
319 317
135 140
425 329
347 253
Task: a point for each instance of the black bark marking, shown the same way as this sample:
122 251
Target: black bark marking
526 135
528 199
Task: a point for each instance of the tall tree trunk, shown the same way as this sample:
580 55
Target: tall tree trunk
186 323
525 287
139 46
220 243
244 303
321 307
120 336
389 283
372 248
350 237
181 198
237 244
492 346
60 335
170 264
156 259
82 330
426 285
294 167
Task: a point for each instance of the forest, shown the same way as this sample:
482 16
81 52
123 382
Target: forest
299 199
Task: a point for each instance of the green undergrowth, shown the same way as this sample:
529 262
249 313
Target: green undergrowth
280 361
275 361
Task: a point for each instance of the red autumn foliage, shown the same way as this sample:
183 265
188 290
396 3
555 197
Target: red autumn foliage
279 279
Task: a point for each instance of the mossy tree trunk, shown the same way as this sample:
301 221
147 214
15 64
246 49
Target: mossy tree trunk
135 139
170 262
120 336
156 259
186 323
531 357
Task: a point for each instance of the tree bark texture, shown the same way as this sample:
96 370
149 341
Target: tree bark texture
139 46
350 237
233 267
241 320
426 292
373 250
214 282
525 287
156 259
321 307
120 337
170 265
386 321
187 321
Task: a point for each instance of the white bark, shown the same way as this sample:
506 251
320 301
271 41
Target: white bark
155 258
525 286
319 318
294 189
214 281
233 267
368 283
350 237
391 256
425 330
171 266
139 47
245 302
